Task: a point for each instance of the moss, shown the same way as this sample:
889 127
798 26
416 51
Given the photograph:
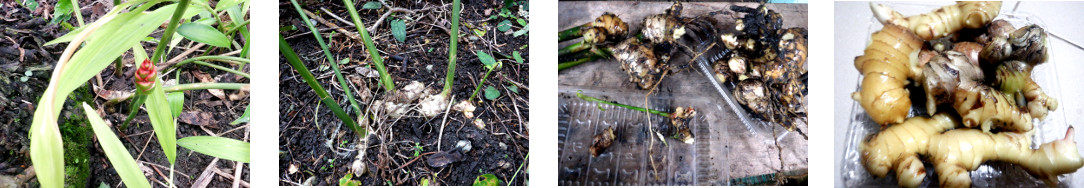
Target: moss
77 136
76 158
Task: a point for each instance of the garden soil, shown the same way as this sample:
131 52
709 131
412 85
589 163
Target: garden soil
317 149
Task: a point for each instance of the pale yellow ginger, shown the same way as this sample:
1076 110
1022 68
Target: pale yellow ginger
897 148
956 152
1038 102
889 61
942 21
983 106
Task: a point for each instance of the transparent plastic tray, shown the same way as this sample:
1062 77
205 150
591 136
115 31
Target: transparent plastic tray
628 160
989 174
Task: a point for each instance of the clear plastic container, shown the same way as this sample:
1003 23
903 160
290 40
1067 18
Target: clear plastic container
628 161
989 174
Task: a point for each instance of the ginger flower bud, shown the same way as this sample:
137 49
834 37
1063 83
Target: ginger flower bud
145 76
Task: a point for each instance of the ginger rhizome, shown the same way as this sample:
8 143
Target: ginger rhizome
956 152
889 61
942 21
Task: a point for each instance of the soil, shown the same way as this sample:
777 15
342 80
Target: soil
316 149
23 32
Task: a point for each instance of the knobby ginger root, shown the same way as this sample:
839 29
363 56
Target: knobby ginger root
943 21
957 152
1038 102
954 153
897 148
983 106
952 79
889 61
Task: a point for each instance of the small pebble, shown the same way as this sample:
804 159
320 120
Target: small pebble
502 145
463 145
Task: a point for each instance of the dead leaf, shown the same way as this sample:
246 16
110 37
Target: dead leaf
206 78
443 158
196 118
367 72
242 94
293 169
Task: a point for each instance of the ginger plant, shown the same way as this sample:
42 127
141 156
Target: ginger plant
93 47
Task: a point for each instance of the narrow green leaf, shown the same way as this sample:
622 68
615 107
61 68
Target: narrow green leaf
46 149
122 161
486 59
221 147
504 26
515 55
371 5
243 118
204 34
492 93
224 4
176 102
398 29
162 119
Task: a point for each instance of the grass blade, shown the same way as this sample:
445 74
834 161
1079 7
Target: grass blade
221 147
122 161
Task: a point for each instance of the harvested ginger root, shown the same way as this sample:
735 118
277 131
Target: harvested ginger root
957 152
897 148
943 21
889 61
954 153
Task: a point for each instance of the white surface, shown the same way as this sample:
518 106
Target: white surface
852 22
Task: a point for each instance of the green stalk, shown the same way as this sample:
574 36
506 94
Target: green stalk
291 57
577 47
595 54
79 13
133 109
220 58
520 168
589 98
334 64
199 86
479 87
377 60
223 68
570 33
452 50
170 29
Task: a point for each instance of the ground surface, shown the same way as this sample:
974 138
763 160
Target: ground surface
749 154
316 149
23 32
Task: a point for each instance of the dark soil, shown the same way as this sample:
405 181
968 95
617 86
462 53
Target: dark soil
315 142
23 32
